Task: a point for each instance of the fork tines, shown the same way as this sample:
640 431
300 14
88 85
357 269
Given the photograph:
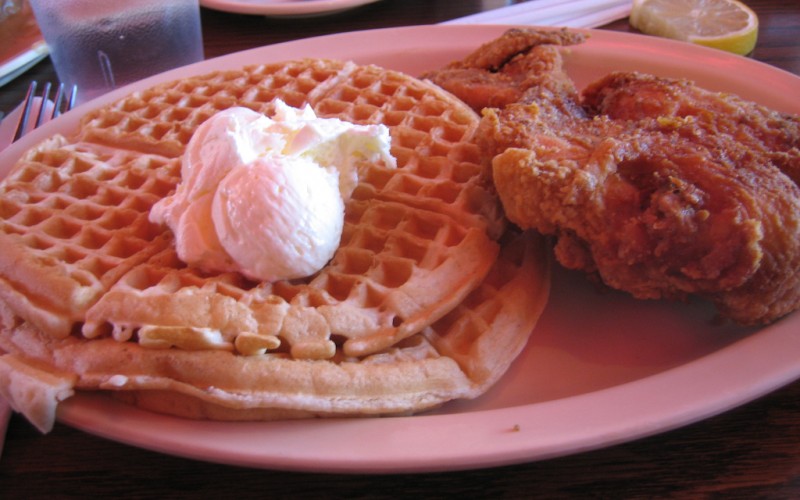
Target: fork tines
61 104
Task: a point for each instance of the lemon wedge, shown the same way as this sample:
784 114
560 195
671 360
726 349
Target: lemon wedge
723 24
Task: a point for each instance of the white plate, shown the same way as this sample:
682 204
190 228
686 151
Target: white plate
600 369
277 8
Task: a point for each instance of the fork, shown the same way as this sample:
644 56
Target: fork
62 102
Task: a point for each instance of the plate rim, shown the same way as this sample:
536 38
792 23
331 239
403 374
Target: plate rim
511 439
285 8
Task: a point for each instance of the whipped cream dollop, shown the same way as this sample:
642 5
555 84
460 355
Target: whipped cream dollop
265 196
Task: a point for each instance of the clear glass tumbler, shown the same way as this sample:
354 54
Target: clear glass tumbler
100 45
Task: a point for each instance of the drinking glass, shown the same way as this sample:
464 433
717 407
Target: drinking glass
100 45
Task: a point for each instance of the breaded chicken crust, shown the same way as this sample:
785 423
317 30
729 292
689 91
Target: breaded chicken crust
654 185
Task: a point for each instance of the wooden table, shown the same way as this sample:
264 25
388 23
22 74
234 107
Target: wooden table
750 451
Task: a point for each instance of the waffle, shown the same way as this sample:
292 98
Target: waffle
86 277
460 355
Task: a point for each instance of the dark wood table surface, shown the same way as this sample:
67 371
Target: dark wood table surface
751 451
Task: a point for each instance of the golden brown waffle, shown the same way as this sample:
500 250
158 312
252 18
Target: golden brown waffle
88 273
73 220
459 356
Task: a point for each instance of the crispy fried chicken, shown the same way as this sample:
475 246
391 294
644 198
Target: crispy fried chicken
656 186
498 72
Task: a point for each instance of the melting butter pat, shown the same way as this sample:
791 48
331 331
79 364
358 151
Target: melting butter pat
265 197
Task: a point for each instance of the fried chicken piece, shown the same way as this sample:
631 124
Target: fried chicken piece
499 72
661 188
656 186
634 96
